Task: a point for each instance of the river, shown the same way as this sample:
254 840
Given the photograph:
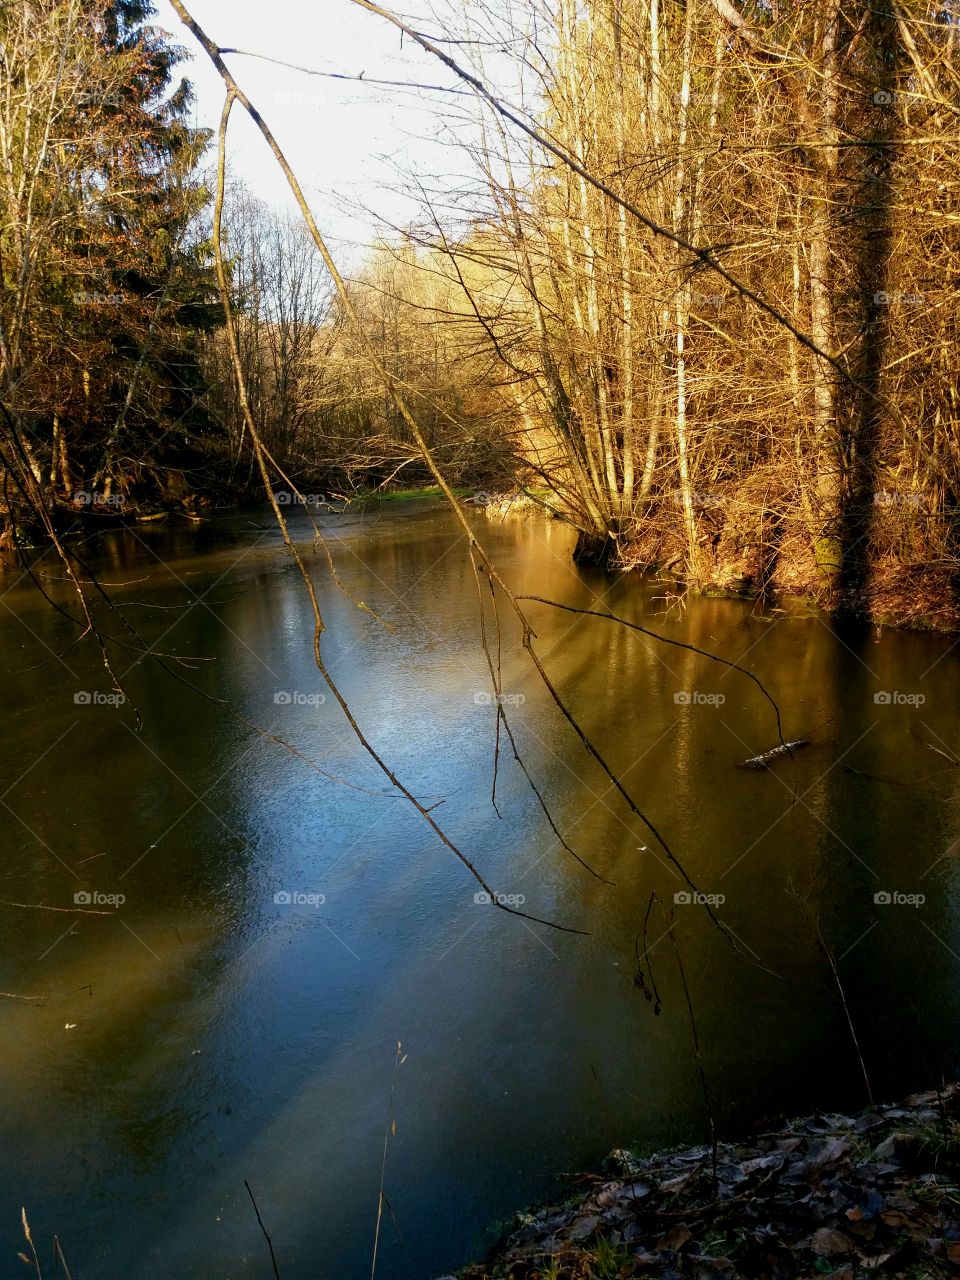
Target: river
237 1016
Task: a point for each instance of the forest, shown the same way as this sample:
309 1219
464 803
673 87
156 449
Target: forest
694 293
479 643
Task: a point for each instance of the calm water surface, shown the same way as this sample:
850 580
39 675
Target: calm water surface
208 1031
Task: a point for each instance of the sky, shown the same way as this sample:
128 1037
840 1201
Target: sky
345 140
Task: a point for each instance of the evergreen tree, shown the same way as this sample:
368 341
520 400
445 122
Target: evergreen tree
106 280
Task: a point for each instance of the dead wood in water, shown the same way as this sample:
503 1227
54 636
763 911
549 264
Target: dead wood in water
765 760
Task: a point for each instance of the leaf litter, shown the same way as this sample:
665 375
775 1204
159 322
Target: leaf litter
835 1196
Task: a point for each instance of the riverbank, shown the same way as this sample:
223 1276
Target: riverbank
744 552
828 1195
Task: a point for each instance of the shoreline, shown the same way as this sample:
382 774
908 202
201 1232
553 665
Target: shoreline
846 1197
915 599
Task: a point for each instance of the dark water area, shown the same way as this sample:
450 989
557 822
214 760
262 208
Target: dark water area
283 927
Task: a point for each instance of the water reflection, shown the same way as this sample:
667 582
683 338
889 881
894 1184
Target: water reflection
218 1033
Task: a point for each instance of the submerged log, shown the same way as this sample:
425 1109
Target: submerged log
775 753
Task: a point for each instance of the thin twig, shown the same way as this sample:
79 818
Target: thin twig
398 1061
846 1009
266 1235
58 1257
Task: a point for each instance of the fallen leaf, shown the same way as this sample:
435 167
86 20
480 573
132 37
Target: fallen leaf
676 1184
829 1151
894 1218
827 1241
675 1238
762 1162
635 1191
888 1147
583 1228
789 1144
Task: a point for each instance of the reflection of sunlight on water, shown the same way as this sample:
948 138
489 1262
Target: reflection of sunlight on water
530 1052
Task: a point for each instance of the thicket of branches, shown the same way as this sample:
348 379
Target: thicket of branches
318 401
791 419
701 303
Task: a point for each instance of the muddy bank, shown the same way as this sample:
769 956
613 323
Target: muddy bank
829 1195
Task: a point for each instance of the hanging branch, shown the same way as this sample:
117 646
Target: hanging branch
679 644
233 95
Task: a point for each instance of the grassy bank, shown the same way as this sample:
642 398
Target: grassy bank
407 495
